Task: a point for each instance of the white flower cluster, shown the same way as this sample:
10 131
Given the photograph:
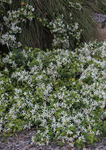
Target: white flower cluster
75 5
63 32
46 92
9 40
12 20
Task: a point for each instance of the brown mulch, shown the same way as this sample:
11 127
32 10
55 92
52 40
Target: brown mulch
22 141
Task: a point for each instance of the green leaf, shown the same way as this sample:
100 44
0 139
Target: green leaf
60 143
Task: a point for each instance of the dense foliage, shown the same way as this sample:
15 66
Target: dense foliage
60 92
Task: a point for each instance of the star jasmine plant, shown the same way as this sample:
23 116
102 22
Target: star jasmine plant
57 91
60 92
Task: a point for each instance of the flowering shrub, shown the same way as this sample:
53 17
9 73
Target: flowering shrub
12 22
61 92
64 34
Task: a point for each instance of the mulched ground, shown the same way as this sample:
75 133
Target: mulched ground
22 141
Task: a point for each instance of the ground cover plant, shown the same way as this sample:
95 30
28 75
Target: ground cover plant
60 92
